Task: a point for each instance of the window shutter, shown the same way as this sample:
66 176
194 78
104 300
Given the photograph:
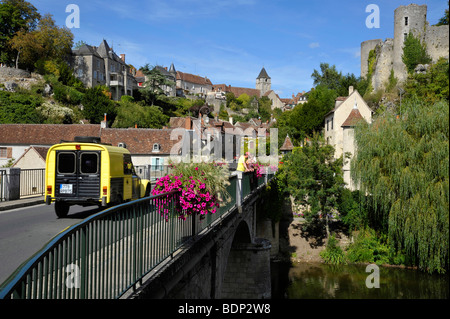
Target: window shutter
153 164
9 152
161 164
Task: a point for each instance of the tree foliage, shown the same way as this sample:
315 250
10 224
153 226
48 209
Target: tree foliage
96 103
414 52
154 83
314 178
130 114
19 107
431 86
403 164
47 42
15 16
333 79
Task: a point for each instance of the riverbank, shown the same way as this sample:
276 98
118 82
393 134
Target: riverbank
298 244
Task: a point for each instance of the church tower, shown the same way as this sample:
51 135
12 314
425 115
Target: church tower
263 82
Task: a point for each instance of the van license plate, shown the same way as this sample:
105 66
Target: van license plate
65 189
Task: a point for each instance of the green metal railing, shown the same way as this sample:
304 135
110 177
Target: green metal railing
108 253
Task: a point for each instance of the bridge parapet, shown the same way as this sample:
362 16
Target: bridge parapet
109 254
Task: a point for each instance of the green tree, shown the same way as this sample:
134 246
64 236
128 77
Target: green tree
15 16
27 47
314 179
154 83
431 86
96 104
414 53
403 163
333 79
130 114
308 117
18 107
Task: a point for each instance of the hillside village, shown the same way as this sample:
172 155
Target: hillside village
100 66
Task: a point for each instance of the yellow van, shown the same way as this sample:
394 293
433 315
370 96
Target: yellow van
86 172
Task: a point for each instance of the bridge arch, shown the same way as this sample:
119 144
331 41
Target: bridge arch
247 272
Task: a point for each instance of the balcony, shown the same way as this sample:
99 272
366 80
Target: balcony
115 79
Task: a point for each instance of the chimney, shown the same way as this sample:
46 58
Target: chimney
187 123
104 123
122 57
231 120
350 90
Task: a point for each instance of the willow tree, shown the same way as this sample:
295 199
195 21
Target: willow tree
402 163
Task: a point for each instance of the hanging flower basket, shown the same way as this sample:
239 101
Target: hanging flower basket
202 188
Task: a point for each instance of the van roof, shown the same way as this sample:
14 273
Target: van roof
103 146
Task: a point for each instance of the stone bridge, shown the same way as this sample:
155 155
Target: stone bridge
228 260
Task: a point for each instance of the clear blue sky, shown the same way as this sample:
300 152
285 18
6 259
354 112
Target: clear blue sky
229 41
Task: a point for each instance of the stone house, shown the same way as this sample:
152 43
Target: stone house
339 127
102 66
190 84
276 101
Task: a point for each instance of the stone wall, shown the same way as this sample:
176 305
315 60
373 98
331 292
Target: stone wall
436 40
366 47
11 78
248 271
384 64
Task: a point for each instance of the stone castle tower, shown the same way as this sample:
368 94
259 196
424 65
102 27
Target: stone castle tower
263 82
410 18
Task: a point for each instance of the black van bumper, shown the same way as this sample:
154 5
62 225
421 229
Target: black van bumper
88 201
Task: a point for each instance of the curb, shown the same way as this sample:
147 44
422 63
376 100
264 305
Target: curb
21 203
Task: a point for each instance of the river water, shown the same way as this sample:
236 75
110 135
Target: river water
321 281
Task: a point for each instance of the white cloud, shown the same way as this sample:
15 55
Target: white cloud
313 45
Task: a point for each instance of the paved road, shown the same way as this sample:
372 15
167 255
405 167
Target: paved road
24 231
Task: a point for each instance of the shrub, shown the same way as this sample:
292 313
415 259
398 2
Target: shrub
333 254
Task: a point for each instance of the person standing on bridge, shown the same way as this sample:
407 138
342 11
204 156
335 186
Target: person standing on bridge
242 164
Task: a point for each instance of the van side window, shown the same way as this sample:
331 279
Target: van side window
127 164
89 163
66 163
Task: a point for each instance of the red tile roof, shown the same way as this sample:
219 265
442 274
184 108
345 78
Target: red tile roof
353 118
287 145
44 134
138 141
191 78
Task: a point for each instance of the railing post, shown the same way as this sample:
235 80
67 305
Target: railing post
239 190
83 261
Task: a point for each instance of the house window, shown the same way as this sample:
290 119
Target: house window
328 122
156 147
157 164
331 123
406 20
405 35
3 152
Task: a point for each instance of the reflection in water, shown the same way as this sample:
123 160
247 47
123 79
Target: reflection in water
321 281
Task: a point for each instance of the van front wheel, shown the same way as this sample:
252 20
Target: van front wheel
61 209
